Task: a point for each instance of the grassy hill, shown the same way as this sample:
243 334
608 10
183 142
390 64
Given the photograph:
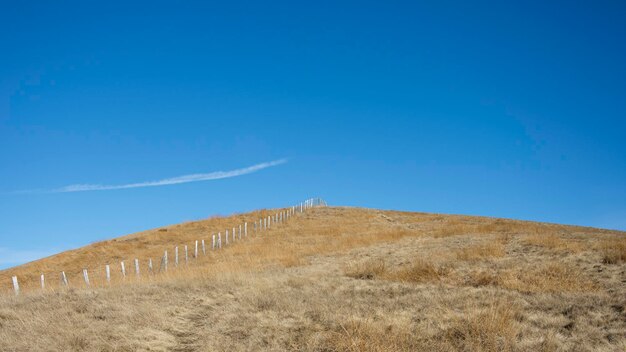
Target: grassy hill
332 279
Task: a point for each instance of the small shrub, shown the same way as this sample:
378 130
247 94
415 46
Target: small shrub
366 270
480 252
614 252
420 271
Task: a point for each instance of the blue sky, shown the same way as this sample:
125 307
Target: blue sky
513 109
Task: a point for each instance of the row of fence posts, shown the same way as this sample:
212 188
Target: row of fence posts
262 224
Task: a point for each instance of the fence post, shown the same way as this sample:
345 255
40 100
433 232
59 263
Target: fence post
245 229
150 265
86 277
176 256
123 269
214 243
107 270
195 252
165 259
186 256
136 266
203 248
219 240
226 237
16 285
240 231
64 279
42 280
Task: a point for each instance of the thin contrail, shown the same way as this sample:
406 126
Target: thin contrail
172 181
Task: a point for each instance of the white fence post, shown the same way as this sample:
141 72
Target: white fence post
226 237
195 252
214 243
136 266
107 270
234 234
203 248
165 260
245 229
219 240
123 269
176 256
240 231
42 280
86 277
16 285
64 279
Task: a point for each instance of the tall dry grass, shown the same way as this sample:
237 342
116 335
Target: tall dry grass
336 279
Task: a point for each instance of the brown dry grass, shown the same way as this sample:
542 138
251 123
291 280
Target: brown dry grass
481 252
336 279
613 251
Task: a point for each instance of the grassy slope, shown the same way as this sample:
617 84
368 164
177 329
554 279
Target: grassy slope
337 279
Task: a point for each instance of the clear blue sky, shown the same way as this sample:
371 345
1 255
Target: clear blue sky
508 109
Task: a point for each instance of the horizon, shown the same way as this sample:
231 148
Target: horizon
116 118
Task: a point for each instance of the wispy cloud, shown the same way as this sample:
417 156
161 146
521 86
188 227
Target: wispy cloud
171 181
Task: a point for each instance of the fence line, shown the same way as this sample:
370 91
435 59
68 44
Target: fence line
259 226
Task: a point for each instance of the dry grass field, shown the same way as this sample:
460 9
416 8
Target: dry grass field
334 279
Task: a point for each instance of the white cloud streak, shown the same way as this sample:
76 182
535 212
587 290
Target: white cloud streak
172 181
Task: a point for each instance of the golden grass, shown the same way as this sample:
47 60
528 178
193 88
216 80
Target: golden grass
365 270
481 252
493 328
285 245
418 272
334 279
554 242
613 251
552 277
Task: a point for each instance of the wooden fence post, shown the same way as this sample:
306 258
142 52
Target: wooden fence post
165 260
107 270
136 266
240 231
42 280
86 277
150 265
245 229
195 252
203 248
123 269
16 285
214 243
186 255
226 237
64 279
176 256
219 240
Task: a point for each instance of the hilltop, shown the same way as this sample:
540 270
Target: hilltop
332 279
